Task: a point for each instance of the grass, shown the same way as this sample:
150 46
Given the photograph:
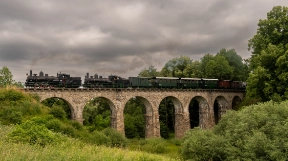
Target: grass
161 146
70 149
77 143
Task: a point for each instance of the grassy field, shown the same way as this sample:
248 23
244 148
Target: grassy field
69 149
31 131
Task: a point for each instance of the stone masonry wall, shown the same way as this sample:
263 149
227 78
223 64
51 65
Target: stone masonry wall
117 98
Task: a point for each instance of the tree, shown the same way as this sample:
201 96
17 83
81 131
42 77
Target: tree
193 70
134 119
150 72
215 67
56 104
269 61
176 67
97 114
5 77
239 69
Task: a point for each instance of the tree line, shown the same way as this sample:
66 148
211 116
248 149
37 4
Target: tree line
226 64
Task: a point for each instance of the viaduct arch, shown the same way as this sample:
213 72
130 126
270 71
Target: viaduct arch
212 105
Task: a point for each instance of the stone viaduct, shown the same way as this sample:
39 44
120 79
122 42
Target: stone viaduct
212 104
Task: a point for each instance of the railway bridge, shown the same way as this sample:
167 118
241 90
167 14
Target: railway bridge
211 104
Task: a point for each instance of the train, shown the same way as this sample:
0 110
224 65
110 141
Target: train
63 80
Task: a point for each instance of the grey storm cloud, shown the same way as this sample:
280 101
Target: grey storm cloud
121 36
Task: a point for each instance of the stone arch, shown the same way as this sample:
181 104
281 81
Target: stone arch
178 115
235 102
72 111
220 107
113 116
199 112
149 121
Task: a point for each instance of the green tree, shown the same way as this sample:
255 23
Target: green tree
97 114
268 63
193 70
150 72
134 119
215 67
6 77
239 69
56 104
167 118
176 67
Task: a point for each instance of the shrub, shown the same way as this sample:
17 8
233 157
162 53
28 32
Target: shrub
32 133
54 125
203 145
16 106
176 142
257 132
58 112
10 116
76 125
154 145
68 130
11 95
35 97
117 139
98 138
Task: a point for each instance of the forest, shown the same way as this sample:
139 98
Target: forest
256 130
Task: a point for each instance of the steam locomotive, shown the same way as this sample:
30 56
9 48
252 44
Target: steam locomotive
65 81
62 80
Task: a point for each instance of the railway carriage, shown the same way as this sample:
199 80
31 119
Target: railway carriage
190 83
209 83
141 82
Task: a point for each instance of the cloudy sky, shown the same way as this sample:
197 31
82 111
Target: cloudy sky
121 36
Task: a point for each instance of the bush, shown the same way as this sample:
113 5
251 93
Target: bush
68 130
54 125
10 116
76 125
58 112
98 138
154 145
203 145
11 95
16 106
33 133
117 139
257 132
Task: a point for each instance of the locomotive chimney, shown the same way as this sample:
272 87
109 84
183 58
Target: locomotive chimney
41 74
87 75
96 76
30 73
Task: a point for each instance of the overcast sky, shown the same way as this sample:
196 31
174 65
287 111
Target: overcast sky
121 36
